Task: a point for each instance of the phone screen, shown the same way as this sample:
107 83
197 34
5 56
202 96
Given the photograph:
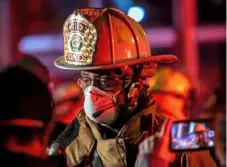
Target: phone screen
192 135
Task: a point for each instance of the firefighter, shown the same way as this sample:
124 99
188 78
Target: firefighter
200 139
112 53
173 92
26 111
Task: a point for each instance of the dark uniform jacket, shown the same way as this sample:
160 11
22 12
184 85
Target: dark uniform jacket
86 143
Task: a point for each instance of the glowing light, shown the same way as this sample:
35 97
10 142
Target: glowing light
122 5
137 13
211 143
41 43
211 133
158 38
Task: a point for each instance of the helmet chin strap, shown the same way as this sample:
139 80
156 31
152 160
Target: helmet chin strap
137 69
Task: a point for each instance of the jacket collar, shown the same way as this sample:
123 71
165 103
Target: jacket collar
131 131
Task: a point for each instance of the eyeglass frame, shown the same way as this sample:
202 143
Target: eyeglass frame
115 78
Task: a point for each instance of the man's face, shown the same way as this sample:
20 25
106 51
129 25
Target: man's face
102 97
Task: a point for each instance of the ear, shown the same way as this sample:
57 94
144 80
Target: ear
127 71
149 70
79 83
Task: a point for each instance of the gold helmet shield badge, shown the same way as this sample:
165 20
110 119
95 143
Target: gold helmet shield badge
80 37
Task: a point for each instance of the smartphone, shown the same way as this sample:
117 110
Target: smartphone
192 135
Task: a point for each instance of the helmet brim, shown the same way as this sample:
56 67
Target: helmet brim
60 63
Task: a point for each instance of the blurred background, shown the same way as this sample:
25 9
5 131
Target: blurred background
194 30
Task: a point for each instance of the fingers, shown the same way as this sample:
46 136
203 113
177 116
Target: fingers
165 128
158 144
147 146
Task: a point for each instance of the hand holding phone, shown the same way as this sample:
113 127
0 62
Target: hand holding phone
157 145
192 135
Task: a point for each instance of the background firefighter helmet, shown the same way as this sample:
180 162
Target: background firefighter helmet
172 91
104 38
33 65
68 99
25 100
169 80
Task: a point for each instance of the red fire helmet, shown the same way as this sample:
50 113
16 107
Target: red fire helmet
104 38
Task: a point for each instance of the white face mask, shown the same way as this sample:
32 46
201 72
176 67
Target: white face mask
100 106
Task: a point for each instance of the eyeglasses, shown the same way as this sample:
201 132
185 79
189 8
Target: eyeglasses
101 82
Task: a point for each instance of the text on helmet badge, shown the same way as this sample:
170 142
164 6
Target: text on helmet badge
80 37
